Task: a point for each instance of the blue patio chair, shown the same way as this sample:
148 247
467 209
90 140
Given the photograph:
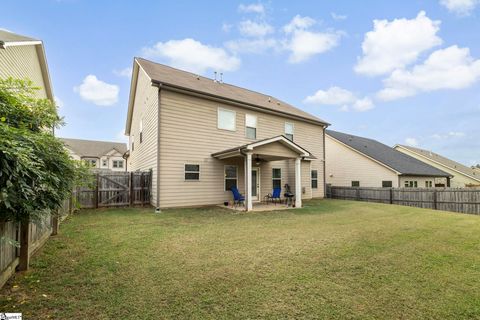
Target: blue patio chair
275 196
237 196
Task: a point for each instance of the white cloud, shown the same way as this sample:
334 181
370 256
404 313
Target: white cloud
411 142
338 17
193 56
250 28
97 91
396 44
460 7
449 68
331 96
299 23
252 8
59 102
305 44
364 104
226 27
251 46
125 72
451 134
337 96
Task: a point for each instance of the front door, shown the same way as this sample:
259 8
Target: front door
255 184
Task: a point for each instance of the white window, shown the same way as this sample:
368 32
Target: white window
132 143
428 184
141 130
289 130
226 119
192 172
230 177
314 175
411 184
251 126
277 178
117 163
104 163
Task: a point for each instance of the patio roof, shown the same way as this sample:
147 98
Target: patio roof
251 147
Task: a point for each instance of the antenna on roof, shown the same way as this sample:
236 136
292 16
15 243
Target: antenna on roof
215 76
221 77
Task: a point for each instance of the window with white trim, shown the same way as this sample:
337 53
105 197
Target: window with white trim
132 142
411 184
117 163
141 130
192 172
276 178
314 178
289 129
387 184
231 177
355 183
428 184
104 163
251 126
226 119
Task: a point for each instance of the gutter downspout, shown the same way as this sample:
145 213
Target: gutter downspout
324 166
157 209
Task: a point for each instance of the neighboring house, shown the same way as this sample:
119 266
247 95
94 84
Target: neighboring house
23 57
102 155
462 175
201 137
354 161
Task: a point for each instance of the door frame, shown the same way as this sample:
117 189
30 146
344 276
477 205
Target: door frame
257 198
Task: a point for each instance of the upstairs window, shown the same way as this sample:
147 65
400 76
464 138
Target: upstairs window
226 119
387 184
104 163
276 178
314 177
251 126
133 143
355 183
141 130
117 163
289 130
192 172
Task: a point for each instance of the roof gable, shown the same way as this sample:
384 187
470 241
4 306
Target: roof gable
390 157
453 165
91 148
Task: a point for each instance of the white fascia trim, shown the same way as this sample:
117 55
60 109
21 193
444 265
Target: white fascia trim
303 152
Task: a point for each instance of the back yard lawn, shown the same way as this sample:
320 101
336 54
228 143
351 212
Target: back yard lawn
331 259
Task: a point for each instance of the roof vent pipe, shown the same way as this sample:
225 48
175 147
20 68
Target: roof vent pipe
221 77
215 76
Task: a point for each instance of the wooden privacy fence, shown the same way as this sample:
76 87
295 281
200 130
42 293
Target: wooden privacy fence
31 237
463 200
116 189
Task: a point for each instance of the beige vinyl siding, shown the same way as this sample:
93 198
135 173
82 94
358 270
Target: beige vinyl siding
275 149
459 180
189 134
345 165
22 62
144 157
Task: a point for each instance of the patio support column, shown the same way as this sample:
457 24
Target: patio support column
248 182
298 183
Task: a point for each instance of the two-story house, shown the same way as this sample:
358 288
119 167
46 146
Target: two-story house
200 137
101 155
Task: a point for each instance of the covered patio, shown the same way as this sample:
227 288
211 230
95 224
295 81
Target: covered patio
260 154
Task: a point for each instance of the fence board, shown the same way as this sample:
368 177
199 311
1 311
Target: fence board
465 200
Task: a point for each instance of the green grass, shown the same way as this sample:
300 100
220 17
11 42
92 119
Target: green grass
331 259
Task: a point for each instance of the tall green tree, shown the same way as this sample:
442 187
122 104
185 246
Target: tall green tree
36 172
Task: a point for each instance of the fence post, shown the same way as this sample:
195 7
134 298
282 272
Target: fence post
96 193
24 258
435 199
391 195
55 225
70 204
142 186
132 194
357 194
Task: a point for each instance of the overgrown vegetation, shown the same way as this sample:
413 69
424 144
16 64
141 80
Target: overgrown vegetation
330 260
36 172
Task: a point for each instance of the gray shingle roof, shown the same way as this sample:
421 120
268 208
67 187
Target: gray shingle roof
7 36
168 75
474 173
390 157
91 148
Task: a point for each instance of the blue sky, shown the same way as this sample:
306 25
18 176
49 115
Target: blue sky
399 72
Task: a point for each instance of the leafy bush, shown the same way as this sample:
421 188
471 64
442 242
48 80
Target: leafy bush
36 172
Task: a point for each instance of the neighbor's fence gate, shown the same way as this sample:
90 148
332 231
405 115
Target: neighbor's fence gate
448 199
116 189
